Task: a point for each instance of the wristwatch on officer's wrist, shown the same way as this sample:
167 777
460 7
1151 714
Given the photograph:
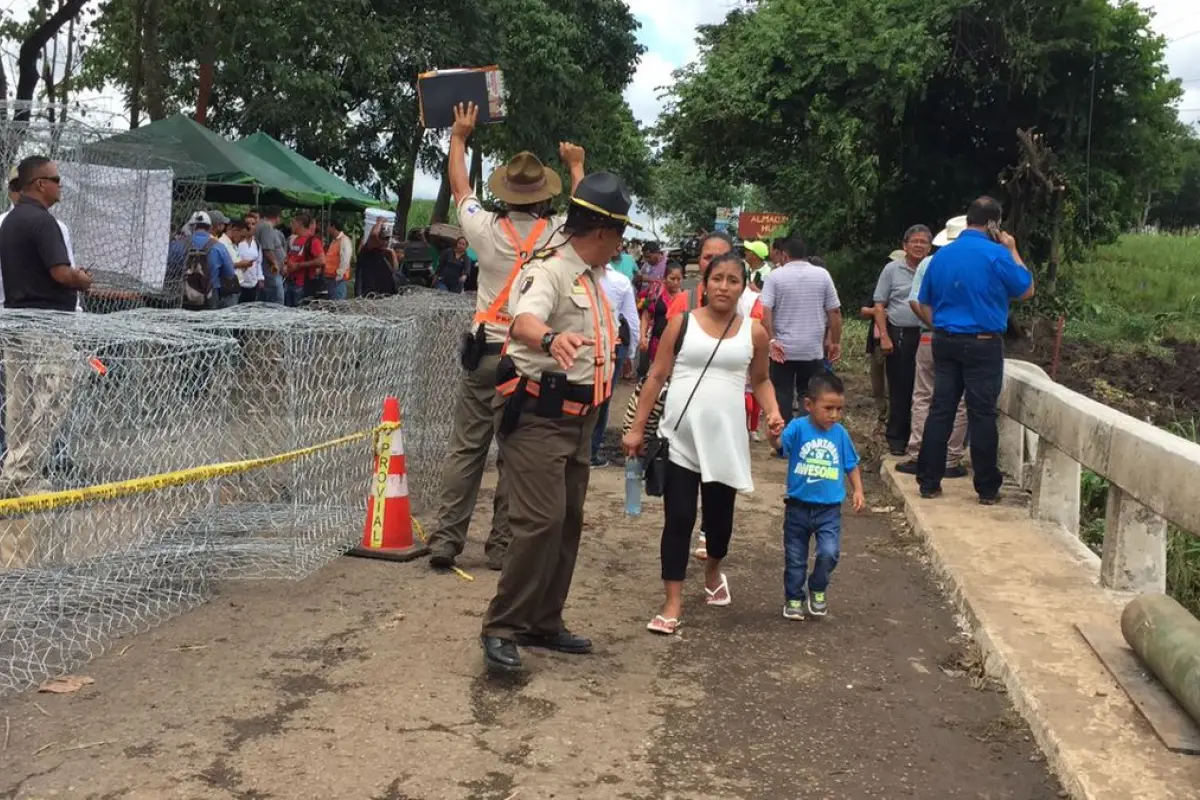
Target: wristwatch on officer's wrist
548 340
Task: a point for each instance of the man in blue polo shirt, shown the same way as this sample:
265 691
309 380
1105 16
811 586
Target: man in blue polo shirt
966 292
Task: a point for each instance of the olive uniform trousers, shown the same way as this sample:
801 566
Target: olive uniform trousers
466 460
547 465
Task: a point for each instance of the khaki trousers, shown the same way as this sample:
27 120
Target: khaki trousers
37 385
547 464
462 473
879 391
922 399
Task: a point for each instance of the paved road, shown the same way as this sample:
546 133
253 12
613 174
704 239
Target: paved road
365 681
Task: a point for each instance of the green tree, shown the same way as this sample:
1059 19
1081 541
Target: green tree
341 88
861 117
686 196
1178 205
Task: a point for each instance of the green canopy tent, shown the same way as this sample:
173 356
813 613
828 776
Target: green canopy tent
278 155
197 155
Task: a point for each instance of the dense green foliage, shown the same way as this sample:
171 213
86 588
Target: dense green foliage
1177 207
862 117
340 87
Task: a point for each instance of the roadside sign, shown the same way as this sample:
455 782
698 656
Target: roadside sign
760 224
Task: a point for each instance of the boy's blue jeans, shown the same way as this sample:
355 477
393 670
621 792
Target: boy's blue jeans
802 521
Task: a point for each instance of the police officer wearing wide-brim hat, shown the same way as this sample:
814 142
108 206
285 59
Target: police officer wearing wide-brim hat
503 242
557 373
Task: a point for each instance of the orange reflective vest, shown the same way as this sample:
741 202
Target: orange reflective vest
497 312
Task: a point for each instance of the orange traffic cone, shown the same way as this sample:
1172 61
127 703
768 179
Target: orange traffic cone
388 533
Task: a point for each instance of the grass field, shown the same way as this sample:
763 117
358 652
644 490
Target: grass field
1141 290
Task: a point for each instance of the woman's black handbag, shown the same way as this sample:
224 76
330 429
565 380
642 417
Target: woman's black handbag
658 450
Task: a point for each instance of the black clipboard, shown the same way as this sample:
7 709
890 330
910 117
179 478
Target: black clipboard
439 91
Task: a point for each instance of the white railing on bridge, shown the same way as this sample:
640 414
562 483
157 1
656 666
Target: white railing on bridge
1154 476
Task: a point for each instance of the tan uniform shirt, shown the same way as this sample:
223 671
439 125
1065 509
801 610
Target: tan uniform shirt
496 254
563 292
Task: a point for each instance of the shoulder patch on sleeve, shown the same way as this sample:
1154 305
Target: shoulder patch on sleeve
472 208
527 284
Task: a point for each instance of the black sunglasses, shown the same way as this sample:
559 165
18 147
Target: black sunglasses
51 178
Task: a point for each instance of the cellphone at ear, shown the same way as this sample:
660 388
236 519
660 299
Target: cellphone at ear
993 231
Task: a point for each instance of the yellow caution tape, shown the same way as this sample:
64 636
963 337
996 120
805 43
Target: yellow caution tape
466 576
48 501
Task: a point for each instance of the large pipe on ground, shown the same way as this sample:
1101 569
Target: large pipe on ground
1167 639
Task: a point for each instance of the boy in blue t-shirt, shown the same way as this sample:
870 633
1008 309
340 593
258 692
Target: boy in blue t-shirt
820 458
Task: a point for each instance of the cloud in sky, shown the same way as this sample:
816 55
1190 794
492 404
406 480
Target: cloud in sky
1179 21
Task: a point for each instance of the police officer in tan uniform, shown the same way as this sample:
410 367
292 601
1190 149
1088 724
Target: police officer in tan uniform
550 386
504 242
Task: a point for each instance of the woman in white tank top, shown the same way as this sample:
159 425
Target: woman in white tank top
709 443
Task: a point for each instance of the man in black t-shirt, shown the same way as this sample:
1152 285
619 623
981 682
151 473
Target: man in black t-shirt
37 273
34 261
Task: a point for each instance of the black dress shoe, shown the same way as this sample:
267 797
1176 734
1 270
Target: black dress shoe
907 468
500 655
931 494
442 559
562 642
957 471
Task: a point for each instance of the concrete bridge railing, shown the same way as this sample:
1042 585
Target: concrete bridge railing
1154 476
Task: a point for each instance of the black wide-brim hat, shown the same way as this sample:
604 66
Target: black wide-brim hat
605 194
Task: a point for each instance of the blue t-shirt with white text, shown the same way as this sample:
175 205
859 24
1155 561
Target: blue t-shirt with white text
818 461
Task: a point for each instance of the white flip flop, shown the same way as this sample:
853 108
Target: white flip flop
713 593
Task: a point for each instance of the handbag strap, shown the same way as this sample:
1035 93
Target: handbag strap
704 371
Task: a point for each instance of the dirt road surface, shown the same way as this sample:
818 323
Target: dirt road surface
366 681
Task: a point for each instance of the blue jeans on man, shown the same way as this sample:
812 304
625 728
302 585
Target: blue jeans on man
602 419
971 366
292 294
337 290
801 523
272 291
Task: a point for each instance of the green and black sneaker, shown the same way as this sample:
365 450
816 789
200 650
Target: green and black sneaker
817 605
793 609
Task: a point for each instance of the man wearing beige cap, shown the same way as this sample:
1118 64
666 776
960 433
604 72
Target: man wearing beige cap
504 242
922 394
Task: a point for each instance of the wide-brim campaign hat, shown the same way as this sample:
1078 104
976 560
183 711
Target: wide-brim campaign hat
954 227
605 194
525 180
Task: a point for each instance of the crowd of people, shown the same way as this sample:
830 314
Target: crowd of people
567 308
259 258
564 309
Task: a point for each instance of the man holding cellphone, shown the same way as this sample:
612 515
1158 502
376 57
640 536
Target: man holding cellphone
965 293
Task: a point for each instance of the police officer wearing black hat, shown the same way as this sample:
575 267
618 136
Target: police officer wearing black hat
557 373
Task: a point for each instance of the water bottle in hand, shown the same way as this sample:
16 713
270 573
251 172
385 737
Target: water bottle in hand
633 487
